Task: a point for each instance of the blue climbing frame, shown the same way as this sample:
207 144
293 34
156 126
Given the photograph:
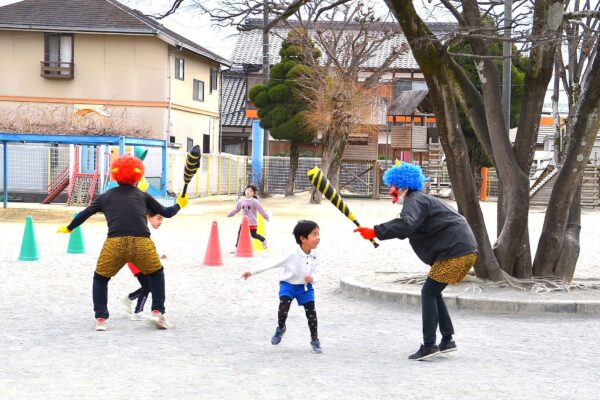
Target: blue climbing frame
120 141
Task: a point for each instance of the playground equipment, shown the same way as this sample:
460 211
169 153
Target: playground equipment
82 176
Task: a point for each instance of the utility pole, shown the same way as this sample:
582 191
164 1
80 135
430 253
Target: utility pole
265 67
507 62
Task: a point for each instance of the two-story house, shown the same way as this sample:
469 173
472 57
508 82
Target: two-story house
63 59
405 135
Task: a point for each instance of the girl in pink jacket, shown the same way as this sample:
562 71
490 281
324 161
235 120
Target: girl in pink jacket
250 207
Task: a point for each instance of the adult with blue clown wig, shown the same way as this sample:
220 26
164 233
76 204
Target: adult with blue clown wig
440 237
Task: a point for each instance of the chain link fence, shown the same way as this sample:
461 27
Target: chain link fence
32 166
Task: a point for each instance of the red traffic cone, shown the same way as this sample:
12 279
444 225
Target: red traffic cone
213 256
244 248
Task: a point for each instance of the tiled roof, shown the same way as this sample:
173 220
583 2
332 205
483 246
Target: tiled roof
248 46
233 106
99 16
407 102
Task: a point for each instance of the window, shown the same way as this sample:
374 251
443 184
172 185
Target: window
198 90
179 68
403 85
190 144
419 85
206 143
214 79
58 56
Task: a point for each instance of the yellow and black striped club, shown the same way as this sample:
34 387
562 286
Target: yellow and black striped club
323 185
192 162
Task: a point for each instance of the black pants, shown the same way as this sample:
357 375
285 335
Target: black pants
142 293
100 293
434 312
309 309
252 233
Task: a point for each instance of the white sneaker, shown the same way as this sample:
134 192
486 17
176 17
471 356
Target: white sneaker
100 324
158 319
138 317
126 301
264 243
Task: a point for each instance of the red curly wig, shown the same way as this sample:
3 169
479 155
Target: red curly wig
127 170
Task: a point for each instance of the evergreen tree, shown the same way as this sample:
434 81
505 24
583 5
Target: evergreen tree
281 104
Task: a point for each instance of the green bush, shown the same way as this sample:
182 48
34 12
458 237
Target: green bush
254 90
279 93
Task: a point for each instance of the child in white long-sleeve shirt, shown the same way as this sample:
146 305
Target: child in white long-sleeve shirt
300 271
250 207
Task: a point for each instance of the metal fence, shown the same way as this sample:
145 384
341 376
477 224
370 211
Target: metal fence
32 166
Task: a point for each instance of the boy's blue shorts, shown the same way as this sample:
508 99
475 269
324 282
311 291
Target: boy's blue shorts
302 293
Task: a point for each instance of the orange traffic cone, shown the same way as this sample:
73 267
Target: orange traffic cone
213 256
244 248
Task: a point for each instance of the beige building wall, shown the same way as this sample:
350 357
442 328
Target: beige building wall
191 118
107 67
126 73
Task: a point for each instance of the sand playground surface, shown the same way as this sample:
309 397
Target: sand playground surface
220 346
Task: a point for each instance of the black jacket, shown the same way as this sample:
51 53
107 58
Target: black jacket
435 231
125 208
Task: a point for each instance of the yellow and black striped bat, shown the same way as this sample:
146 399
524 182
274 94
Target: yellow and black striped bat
323 185
192 162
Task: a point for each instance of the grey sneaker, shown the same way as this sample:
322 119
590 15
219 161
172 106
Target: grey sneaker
276 339
447 347
316 346
425 352
264 243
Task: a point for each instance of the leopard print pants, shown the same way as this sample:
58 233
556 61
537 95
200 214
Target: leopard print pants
452 270
118 251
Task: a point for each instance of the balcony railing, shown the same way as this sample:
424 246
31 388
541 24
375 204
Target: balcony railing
57 70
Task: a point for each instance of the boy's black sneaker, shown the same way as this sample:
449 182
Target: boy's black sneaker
276 339
316 346
425 352
447 347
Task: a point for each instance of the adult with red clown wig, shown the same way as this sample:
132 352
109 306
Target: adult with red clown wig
128 240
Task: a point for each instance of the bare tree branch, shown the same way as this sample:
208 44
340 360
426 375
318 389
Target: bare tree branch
172 10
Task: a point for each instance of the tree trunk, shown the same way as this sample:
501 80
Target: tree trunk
559 214
294 154
569 253
434 63
335 140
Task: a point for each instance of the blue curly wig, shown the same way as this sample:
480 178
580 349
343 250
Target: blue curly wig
405 176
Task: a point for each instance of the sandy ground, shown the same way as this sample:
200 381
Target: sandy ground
220 347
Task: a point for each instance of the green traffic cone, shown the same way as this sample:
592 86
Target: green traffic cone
29 250
76 244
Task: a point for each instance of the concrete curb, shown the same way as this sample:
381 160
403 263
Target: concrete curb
465 301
